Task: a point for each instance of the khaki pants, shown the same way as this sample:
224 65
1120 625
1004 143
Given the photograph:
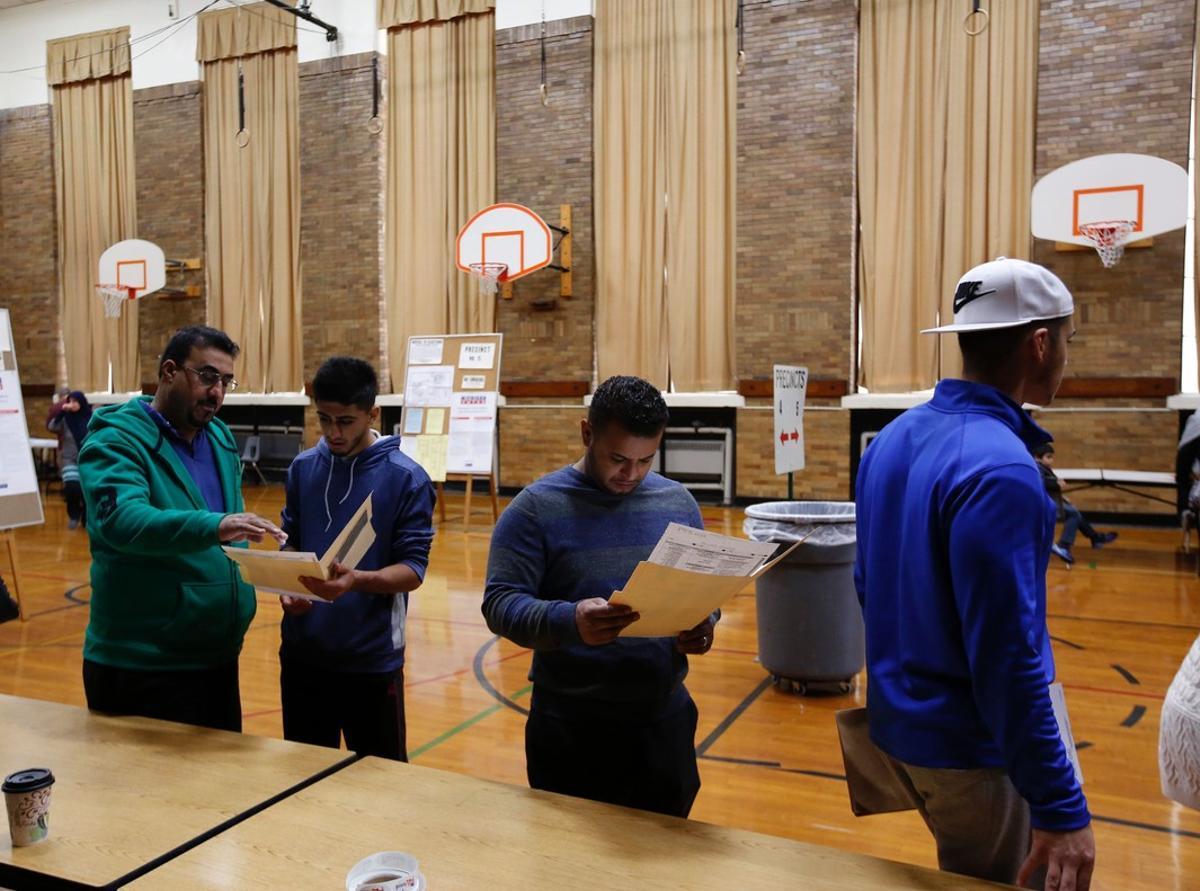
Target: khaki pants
978 819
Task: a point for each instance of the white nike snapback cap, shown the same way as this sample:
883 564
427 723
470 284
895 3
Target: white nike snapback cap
1005 293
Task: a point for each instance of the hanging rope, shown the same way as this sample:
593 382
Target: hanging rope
374 124
241 137
976 10
741 34
542 88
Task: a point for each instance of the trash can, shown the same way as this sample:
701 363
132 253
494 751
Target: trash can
810 627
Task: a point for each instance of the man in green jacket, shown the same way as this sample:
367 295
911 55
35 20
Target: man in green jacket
162 481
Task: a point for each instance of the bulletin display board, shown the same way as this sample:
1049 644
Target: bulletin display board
451 385
20 499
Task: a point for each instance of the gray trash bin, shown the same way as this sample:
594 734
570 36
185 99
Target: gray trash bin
810 627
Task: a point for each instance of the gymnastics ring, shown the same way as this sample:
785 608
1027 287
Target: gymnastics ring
545 97
242 138
741 61
375 124
986 21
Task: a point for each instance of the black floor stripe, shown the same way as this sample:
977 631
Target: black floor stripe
1134 716
1126 673
1067 643
775 765
481 677
733 716
1149 827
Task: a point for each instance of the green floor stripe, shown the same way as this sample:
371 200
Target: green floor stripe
470 722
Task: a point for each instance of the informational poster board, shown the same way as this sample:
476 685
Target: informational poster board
791 385
20 500
451 384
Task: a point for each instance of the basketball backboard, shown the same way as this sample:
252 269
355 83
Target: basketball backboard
133 265
1148 192
507 234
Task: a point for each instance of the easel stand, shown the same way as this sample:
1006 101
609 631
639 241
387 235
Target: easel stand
9 539
469 479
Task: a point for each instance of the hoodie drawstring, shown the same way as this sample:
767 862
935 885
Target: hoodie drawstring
349 488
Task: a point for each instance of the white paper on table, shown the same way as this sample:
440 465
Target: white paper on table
429 385
278 572
474 382
414 421
696 550
1058 700
425 351
477 355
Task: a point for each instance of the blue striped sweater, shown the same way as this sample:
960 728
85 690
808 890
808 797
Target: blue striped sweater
565 539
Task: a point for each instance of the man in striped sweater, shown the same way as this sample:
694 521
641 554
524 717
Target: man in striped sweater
610 718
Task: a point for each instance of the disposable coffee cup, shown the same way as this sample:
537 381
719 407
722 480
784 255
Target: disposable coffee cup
386 871
27 799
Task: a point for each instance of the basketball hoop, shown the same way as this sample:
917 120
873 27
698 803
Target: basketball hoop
1108 238
489 275
114 298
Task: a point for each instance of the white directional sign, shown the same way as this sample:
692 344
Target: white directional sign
791 383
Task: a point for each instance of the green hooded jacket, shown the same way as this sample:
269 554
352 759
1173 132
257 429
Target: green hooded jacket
164 595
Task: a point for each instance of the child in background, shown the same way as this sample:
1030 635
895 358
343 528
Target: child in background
1073 520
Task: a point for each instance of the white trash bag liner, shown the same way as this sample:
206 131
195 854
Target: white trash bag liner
821 523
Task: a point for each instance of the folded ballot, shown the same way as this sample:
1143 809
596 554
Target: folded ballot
278 572
690 573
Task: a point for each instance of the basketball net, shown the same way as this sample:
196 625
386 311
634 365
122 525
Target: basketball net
1108 238
489 275
114 298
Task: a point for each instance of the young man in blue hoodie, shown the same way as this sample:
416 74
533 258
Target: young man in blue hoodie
610 718
954 535
342 661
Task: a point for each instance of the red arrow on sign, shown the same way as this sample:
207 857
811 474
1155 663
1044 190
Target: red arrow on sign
783 437
795 435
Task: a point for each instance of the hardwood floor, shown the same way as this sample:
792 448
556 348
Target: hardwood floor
1123 618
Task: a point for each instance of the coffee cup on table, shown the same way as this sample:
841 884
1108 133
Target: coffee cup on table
27 799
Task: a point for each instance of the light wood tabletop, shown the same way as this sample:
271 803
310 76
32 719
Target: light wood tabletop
469 833
128 790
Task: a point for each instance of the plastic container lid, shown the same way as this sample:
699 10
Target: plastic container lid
807 512
29 780
386 871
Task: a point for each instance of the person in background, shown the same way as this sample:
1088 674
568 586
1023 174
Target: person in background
69 418
1073 519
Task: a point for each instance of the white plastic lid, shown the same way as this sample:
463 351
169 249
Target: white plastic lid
386 871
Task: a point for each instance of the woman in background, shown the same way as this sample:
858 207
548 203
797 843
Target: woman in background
69 418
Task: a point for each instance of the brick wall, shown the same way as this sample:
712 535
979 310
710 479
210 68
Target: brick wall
341 212
536 437
28 250
1115 76
543 160
796 187
826 475
169 155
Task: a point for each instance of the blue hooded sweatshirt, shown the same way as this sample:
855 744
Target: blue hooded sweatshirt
358 632
954 534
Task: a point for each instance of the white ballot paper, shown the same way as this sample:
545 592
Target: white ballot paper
689 575
1059 700
278 572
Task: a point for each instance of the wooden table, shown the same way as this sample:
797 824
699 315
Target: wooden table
476 834
130 790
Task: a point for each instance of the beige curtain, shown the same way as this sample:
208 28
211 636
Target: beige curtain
665 140
945 166
96 198
441 164
252 192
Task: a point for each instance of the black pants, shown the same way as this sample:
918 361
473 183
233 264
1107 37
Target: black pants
647 766
207 697
320 706
73 493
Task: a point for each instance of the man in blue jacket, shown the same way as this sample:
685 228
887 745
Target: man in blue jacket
342 662
954 535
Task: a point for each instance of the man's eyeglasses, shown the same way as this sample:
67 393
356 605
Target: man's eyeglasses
210 378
